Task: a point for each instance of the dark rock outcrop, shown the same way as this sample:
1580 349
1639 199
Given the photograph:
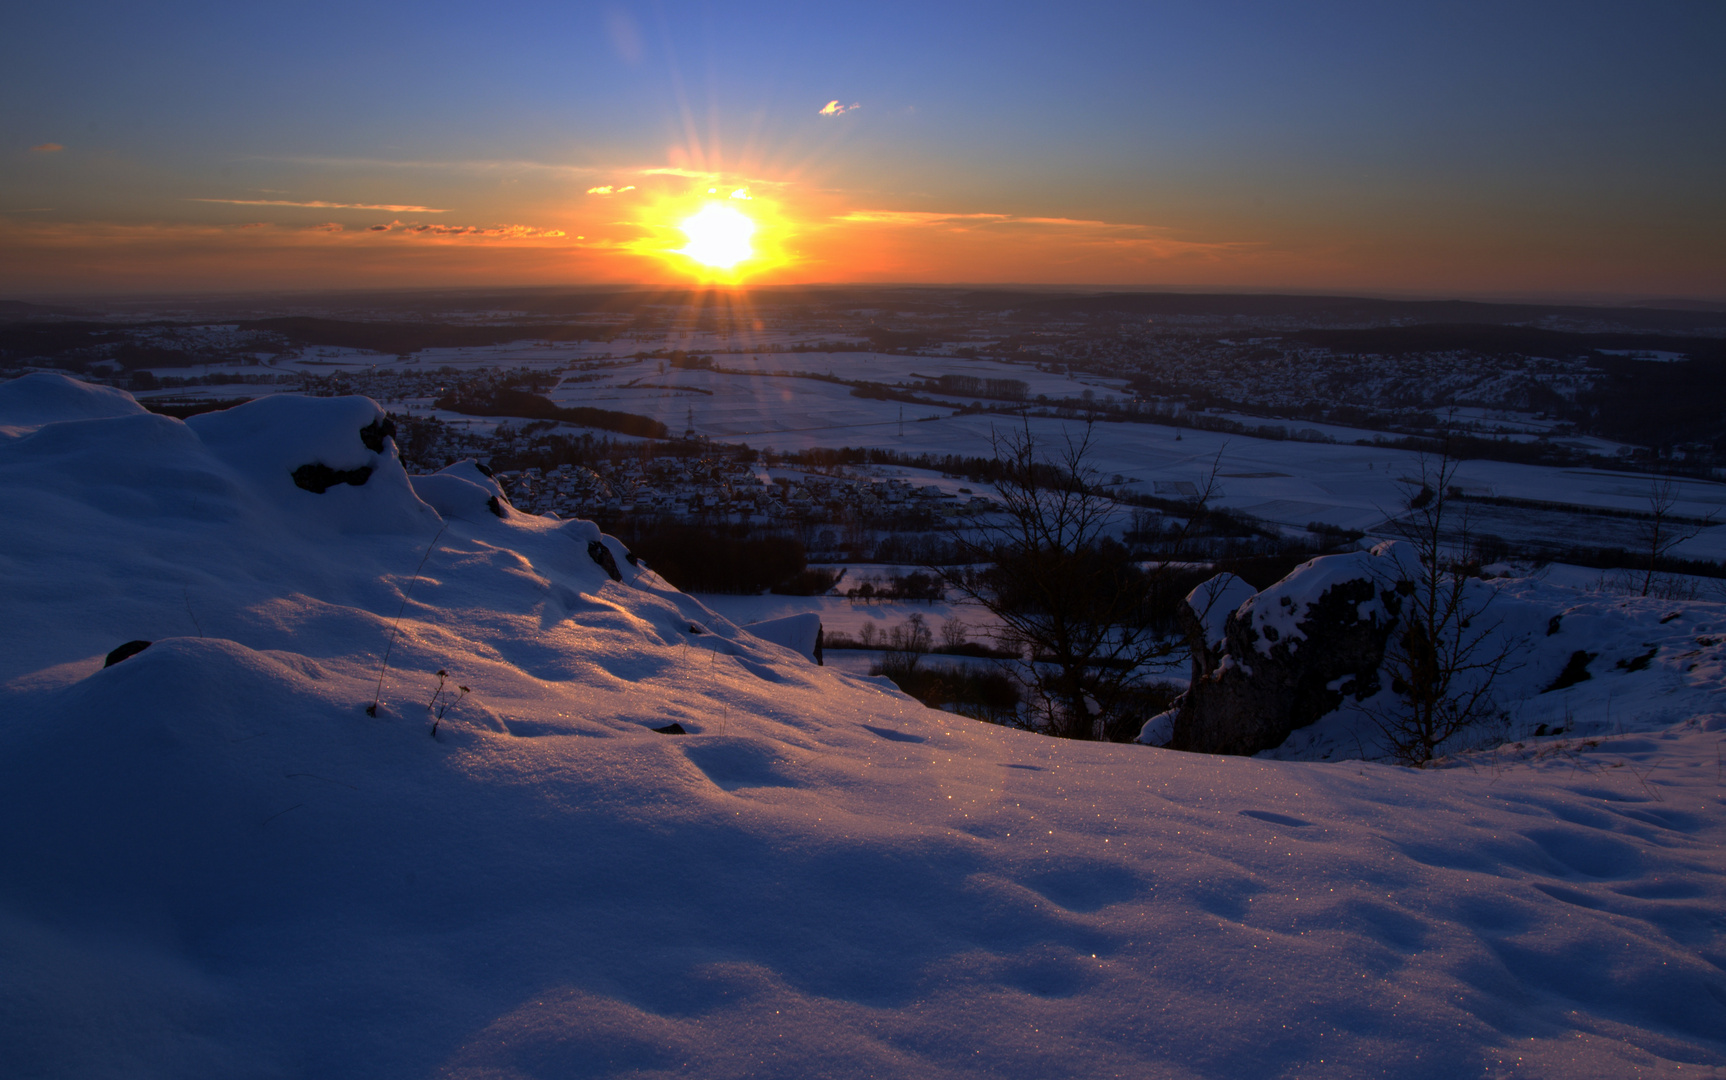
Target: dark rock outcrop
318 478
374 433
599 553
1575 671
1285 656
131 648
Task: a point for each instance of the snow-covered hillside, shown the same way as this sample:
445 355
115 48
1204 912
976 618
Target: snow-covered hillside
217 863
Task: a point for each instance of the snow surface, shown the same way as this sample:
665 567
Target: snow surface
44 397
217 864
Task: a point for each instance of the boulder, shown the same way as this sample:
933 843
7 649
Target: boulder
1267 663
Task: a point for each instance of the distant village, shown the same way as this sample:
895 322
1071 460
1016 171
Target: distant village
734 492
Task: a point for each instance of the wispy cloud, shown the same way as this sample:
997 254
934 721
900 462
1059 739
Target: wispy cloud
99 233
47 148
1075 233
319 204
833 108
610 189
480 165
85 255
915 217
505 232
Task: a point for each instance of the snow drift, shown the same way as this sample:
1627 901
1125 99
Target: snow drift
218 864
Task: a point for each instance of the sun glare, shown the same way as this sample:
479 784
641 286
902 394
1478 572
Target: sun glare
718 237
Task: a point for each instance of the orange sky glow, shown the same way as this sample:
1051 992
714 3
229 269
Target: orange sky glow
628 231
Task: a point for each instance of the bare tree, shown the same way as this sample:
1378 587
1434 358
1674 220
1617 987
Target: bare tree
954 633
905 647
1081 611
1664 530
1443 656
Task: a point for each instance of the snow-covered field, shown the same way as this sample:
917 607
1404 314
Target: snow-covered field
218 864
1286 482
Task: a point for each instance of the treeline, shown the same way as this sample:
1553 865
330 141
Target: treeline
982 470
713 559
916 585
506 401
40 341
145 380
972 386
1577 508
1615 558
183 408
1658 404
75 346
410 337
1503 341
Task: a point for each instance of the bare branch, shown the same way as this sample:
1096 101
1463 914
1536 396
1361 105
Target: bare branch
1063 590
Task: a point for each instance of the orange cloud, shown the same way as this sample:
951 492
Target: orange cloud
610 189
319 204
47 148
833 108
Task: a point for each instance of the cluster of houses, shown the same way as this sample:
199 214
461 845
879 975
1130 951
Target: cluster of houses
732 491
1286 377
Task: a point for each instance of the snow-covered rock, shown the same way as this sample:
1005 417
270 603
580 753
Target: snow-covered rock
1280 659
462 490
329 457
1295 671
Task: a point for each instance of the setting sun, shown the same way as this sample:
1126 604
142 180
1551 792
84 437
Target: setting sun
718 237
